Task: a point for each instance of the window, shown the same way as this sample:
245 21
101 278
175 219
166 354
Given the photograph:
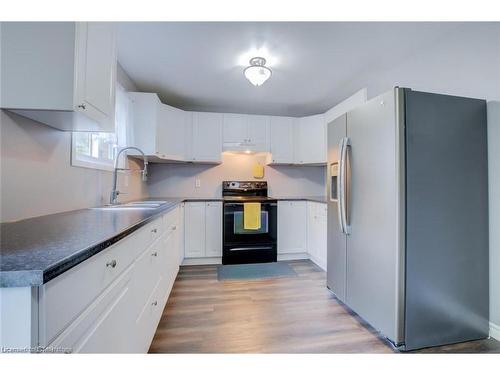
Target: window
98 150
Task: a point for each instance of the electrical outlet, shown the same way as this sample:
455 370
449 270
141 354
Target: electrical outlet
197 183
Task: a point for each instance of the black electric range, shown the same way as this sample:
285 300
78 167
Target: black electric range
242 245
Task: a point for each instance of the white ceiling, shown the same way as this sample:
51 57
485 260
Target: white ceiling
199 66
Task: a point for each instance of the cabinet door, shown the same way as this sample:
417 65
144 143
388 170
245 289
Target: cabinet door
321 233
180 233
213 229
105 327
312 232
235 128
194 229
292 227
281 133
96 71
311 140
258 132
207 136
171 132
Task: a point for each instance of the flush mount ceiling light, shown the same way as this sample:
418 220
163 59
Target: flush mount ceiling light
257 73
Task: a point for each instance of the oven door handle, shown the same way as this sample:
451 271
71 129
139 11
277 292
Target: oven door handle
251 248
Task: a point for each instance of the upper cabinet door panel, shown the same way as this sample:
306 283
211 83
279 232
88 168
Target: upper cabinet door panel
96 69
235 128
27 50
311 140
60 73
207 136
281 134
258 131
171 132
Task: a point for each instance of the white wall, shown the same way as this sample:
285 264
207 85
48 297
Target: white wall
346 105
36 177
466 63
178 180
494 196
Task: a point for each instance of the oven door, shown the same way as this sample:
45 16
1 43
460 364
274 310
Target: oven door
234 232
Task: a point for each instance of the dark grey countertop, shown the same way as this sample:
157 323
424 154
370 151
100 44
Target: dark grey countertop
312 198
34 251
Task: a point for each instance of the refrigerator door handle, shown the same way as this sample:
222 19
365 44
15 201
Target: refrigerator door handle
340 185
346 143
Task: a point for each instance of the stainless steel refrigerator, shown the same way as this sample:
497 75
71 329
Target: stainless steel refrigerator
408 216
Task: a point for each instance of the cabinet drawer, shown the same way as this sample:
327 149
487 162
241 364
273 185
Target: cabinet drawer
149 317
104 326
171 220
148 268
65 297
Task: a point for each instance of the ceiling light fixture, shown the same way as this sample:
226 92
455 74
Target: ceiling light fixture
257 73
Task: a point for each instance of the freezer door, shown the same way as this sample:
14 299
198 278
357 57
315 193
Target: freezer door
336 240
373 251
447 220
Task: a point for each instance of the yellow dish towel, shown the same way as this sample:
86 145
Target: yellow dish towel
251 216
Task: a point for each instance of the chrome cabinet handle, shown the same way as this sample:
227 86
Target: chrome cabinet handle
154 303
155 254
111 264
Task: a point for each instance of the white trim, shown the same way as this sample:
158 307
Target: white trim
495 331
320 263
293 256
201 261
90 164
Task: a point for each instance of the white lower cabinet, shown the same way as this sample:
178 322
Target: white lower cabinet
317 233
292 227
213 229
302 230
203 229
113 301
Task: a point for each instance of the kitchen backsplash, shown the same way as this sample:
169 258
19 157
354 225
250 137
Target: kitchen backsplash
179 180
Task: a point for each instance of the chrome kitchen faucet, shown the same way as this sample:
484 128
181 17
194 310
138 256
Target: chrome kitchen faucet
114 193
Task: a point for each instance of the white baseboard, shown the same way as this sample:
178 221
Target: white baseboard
201 261
293 256
321 264
495 331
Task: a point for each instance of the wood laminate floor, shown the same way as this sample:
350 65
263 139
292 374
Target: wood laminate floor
284 315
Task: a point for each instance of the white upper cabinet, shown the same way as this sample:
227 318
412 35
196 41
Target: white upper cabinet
159 129
246 132
282 139
171 140
310 140
60 73
258 132
235 129
206 137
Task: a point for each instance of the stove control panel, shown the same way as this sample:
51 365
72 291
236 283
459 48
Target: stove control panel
244 185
